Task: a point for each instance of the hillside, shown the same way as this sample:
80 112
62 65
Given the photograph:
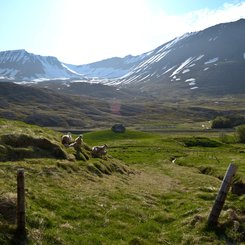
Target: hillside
151 188
42 106
48 108
95 90
207 62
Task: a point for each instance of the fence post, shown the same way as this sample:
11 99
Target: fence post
21 212
220 199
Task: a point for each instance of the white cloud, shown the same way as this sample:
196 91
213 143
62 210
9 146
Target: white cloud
197 20
94 30
204 18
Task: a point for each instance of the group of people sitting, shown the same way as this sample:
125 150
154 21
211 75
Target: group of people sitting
96 151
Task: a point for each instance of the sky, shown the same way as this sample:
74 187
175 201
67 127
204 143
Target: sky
84 31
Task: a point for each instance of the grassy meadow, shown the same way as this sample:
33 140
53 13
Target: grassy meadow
151 188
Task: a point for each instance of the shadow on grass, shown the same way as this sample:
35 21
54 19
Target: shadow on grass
19 238
10 235
8 232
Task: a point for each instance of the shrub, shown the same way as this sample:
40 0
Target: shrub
200 141
228 121
221 122
241 133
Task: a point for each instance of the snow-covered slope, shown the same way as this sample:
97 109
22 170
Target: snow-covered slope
109 68
212 59
21 65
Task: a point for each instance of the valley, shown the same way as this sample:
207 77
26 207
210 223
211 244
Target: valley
159 179
184 82
67 110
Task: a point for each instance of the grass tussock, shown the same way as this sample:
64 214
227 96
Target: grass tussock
18 147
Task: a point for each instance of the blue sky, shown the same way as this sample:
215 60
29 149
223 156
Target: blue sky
84 31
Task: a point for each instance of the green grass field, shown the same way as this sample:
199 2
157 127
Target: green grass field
151 188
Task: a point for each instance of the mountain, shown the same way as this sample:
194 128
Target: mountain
21 65
211 61
208 61
109 68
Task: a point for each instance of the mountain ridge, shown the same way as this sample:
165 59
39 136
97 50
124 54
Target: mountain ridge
210 60
195 61
22 65
109 68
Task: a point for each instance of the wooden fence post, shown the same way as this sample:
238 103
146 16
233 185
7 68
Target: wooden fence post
220 199
21 212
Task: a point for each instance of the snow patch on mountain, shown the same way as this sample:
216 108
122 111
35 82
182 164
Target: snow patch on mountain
212 39
170 69
194 88
157 57
190 80
101 72
43 79
185 71
199 57
192 83
183 65
211 61
70 70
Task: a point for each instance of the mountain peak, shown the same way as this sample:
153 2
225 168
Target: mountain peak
21 65
15 51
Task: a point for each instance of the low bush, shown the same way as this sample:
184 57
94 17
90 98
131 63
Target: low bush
200 141
241 133
227 121
221 122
